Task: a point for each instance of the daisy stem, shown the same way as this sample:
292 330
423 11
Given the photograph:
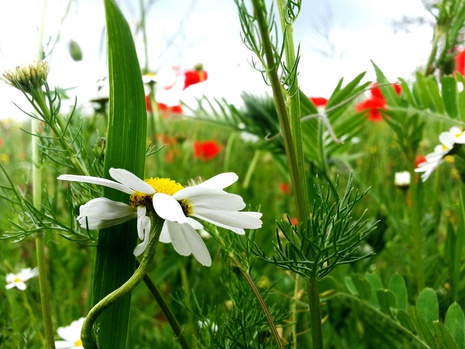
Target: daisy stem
87 338
166 310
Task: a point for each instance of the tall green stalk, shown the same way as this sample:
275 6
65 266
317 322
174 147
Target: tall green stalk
37 201
293 146
289 114
115 262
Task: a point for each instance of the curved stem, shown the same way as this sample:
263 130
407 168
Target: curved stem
87 338
166 310
258 296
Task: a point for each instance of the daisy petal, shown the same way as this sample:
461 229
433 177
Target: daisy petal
177 238
64 345
141 214
194 224
167 207
203 197
196 245
228 219
220 181
165 235
96 180
144 227
103 213
131 180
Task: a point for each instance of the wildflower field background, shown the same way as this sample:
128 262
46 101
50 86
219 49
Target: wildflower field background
361 196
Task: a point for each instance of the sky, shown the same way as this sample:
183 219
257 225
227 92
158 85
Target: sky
337 39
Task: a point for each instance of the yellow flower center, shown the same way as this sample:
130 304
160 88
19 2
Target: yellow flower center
18 280
160 185
78 343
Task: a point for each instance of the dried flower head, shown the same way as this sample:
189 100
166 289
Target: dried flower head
28 77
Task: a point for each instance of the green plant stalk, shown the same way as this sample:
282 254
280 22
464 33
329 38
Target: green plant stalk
436 37
293 308
458 248
57 129
416 233
37 202
167 311
87 338
315 312
259 298
291 130
293 99
251 169
290 144
39 236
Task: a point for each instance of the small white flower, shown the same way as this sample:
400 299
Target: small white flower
71 335
19 280
207 323
402 179
448 139
102 213
206 201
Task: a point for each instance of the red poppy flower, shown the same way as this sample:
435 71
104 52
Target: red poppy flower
376 91
166 109
192 77
176 109
373 106
460 62
419 159
319 101
206 150
285 188
148 105
375 103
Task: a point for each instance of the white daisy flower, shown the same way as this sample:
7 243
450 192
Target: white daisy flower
448 139
206 201
71 335
402 179
102 213
173 203
19 280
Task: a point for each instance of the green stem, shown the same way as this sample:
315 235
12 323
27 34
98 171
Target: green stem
293 102
416 233
251 169
27 305
315 313
88 340
257 294
458 248
294 302
432 55
44 290
291 145
166 310
57 128
39 237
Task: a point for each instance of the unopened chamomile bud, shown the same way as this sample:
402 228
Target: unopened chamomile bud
28 77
